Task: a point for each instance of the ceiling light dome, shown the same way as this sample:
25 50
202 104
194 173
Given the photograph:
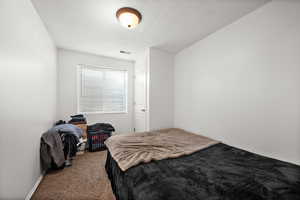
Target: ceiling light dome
129 17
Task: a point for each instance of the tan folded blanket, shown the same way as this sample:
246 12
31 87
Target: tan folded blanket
129 150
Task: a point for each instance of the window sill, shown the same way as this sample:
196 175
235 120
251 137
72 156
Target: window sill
101 113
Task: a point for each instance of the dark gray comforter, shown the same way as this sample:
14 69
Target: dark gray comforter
220 172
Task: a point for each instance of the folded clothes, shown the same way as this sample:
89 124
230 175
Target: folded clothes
76 123
77 120
79 115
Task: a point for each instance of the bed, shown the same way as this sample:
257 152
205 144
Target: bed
216 172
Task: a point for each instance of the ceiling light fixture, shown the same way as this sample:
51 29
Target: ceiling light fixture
129 17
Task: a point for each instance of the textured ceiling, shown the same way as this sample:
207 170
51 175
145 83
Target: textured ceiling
171 25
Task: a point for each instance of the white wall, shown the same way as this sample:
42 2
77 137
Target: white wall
28 95
67 96
160 89
241 84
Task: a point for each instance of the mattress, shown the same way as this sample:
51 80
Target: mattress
218 172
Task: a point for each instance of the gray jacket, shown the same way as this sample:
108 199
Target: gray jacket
51 148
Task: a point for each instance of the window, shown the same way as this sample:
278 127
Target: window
102 90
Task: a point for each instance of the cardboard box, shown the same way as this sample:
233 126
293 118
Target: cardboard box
84 128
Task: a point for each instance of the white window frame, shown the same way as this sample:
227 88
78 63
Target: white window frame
78 86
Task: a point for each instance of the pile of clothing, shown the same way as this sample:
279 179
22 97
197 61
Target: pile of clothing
59 145
77 119
100 127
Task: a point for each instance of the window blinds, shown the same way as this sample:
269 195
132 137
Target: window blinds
102 90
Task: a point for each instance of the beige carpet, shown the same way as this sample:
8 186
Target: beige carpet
86 179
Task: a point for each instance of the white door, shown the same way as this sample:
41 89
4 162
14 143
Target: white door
140 95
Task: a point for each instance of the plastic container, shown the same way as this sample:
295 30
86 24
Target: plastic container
96 140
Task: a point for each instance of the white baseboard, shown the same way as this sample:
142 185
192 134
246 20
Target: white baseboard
31 192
